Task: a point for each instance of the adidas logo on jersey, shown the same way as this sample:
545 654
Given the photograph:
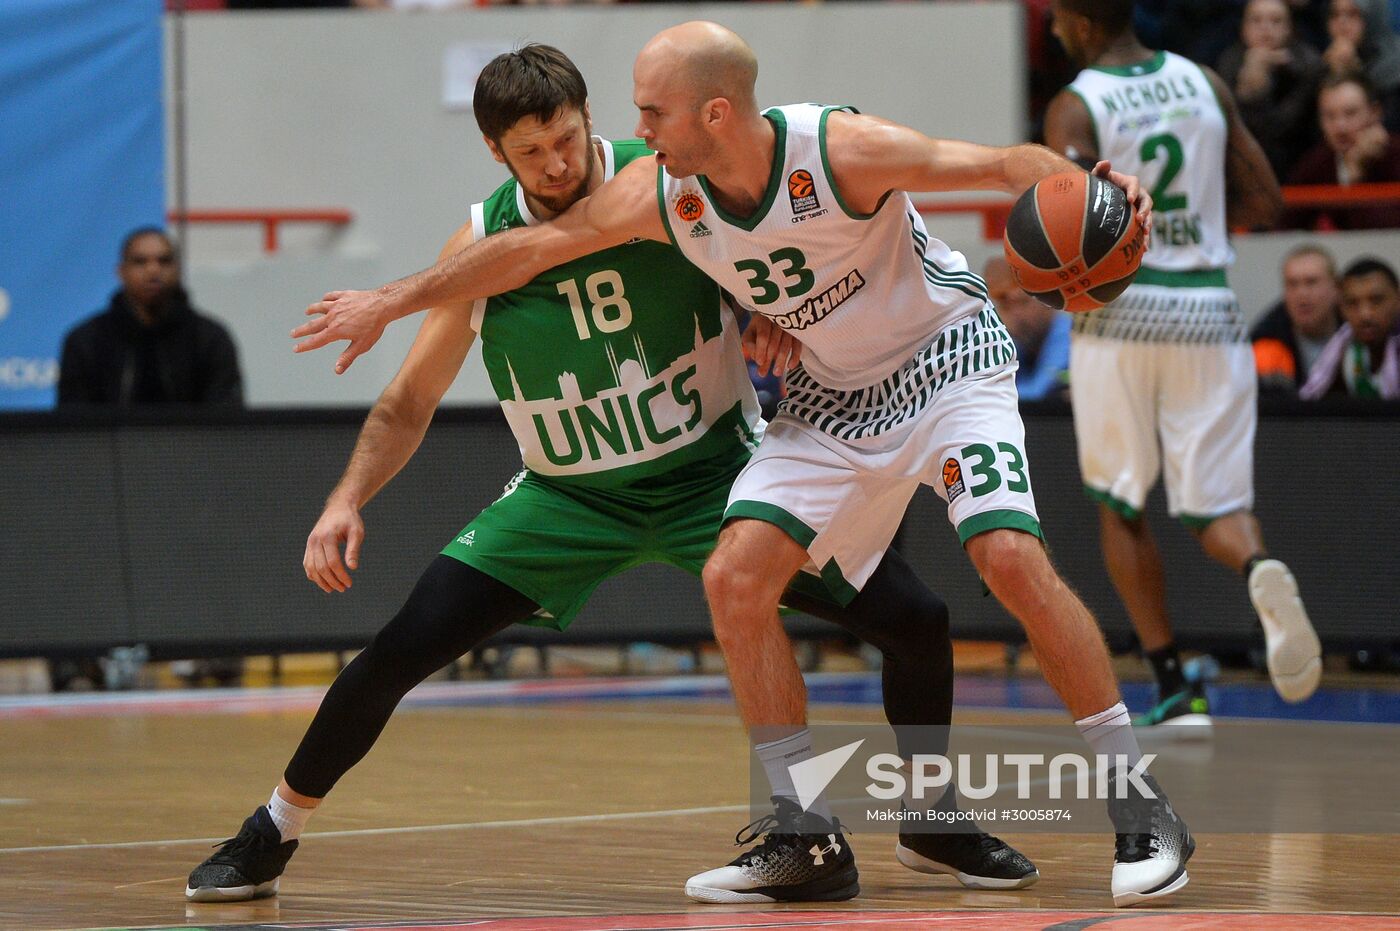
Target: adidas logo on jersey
700 231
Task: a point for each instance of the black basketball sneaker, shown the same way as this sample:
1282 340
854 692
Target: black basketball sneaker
246 866
1152 847
801 858
977 859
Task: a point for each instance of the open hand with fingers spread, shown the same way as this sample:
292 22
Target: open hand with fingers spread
357 316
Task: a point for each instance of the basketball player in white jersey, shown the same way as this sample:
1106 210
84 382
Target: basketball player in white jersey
1168 365
907 377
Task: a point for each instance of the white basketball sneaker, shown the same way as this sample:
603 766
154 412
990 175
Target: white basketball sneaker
1152 844
1291 646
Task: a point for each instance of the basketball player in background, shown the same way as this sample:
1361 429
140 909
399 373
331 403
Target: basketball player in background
1168 361
907 377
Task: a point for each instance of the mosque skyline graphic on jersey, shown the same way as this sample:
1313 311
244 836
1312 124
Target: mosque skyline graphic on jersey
628 368
627 410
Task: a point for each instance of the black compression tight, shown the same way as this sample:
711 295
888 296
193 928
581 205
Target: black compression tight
454 608
451 610
898 615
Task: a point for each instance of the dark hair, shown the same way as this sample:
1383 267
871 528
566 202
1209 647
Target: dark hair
1358 78
536 80
1113 15
136 234
1371 266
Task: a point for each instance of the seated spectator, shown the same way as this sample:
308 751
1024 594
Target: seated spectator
149 346
1041 333
1361 40
1275 77
1291 336
1362 359
1356 148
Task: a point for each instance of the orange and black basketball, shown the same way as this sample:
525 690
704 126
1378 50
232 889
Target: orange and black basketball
1073 241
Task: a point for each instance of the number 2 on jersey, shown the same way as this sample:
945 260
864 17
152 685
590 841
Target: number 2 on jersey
1161 200
609 309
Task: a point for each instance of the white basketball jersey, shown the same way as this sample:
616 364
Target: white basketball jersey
1160 120
864 293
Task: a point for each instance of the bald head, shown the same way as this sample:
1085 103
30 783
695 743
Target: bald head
704 59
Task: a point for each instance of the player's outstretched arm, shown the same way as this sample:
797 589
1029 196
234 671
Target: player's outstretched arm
391 434
871 156
622 209
1253 199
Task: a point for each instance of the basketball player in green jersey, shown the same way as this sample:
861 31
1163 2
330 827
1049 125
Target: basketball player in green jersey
620 374
907 378
1165 372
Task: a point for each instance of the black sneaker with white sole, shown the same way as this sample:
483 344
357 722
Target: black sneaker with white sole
977 859
1152 844
801 858
246 866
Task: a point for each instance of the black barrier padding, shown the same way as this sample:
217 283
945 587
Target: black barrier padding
62 558
185 531
1327 493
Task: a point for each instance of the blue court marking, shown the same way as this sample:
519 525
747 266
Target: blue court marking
1233 700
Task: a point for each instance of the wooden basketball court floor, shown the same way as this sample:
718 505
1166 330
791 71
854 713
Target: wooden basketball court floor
534 807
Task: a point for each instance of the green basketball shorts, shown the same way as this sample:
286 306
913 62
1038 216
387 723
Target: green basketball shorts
555 542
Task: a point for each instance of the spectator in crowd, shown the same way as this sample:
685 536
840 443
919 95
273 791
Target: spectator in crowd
1361 40
149 346
1041 334
1362 359
1356 148
1275 77
1291 336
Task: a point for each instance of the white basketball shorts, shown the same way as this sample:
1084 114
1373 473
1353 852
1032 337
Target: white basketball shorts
843 500
1142 406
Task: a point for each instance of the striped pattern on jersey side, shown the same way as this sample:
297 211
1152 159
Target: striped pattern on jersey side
973 345
965 281
1152 314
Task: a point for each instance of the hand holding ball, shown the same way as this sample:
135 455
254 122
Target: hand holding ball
1073 241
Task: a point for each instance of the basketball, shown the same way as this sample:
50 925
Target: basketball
1073 241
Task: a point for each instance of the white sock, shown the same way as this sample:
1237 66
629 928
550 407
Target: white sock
1110 734
290 819
777 755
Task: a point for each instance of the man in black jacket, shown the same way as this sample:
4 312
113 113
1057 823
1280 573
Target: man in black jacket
149 346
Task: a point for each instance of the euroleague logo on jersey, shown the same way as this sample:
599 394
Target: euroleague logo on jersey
802 194
689 207
952 479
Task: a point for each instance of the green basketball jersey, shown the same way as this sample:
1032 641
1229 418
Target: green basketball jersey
616 367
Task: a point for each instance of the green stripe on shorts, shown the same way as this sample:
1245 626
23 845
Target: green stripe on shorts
1116 505
999 519
772 514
